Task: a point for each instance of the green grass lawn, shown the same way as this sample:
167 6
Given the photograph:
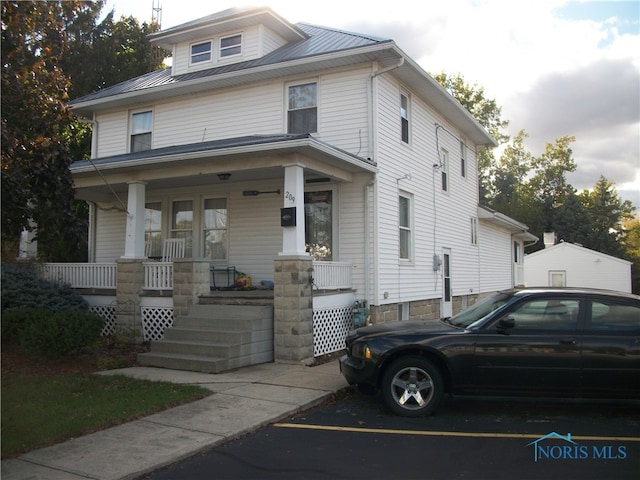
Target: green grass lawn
41 410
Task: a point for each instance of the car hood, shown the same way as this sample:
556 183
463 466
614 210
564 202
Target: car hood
405 327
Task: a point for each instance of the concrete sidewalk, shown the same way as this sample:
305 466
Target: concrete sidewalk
243 400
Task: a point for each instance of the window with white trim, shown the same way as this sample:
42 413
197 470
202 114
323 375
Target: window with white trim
182 223
153 229
201 52
405 217
404 118
302 108
444 169
230 46
463 159
474 231
141 128
214 229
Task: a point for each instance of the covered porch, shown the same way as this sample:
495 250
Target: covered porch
240 207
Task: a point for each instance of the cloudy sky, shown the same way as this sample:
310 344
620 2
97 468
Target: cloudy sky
554 67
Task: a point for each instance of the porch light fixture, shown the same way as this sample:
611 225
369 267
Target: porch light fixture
224 176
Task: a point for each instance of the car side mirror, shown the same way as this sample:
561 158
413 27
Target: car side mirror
505 324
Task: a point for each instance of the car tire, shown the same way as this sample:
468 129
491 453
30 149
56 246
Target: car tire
412 387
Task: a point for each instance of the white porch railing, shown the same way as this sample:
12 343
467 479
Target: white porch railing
158 275
332 275
80 275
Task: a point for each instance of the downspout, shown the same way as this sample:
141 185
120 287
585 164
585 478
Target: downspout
373 151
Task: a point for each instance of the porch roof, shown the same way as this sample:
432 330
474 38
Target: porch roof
518 230
265 155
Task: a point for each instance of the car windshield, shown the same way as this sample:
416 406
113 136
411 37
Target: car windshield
480 310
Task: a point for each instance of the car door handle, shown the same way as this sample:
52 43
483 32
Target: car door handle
567 341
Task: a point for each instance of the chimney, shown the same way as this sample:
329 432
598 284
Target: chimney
549 239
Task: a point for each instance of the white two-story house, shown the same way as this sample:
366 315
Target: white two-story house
326 165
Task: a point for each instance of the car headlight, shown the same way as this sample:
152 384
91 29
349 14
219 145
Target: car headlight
361 350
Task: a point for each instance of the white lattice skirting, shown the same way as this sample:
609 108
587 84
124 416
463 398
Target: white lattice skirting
155 320
330 328
108 314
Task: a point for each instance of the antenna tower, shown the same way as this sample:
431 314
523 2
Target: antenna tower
156 13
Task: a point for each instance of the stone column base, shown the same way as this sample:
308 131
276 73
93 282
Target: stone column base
293 308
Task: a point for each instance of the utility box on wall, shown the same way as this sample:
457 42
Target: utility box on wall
288 217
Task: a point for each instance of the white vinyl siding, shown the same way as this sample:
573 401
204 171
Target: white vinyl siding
110 232
496 265
112 133
342 119
443 219
254 110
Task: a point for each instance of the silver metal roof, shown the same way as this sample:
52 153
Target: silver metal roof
323 48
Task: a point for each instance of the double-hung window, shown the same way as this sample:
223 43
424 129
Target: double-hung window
182 223
153 229
405 215
444 169
141 127
302 108
404 117
214 232
474 231
463 159
201 52
230 46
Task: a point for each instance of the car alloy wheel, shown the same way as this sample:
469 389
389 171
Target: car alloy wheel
412 387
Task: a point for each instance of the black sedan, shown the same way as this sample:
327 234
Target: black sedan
534 342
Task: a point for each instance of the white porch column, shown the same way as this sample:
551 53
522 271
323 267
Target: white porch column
134 241
293 236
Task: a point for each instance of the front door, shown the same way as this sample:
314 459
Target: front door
446 309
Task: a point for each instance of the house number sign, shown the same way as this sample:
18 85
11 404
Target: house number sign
289 196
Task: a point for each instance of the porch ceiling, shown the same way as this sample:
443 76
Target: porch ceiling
200 164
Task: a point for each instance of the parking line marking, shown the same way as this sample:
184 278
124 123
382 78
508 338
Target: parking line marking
427 433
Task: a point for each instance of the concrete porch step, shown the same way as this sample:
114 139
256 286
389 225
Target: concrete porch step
215 338
212 349
233 336
193 363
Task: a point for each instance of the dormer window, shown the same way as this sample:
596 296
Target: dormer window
201 52
230 46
